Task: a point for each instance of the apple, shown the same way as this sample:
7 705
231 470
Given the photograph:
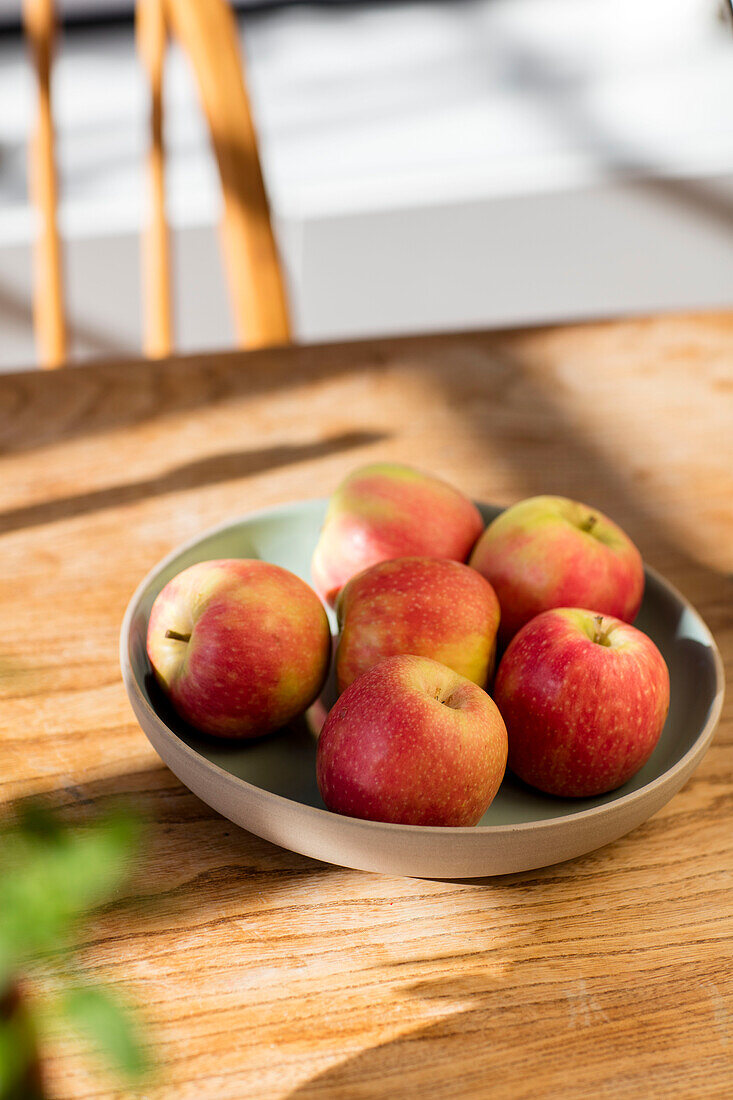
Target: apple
389 511
553 552
424 606
240 647
412 742
584 697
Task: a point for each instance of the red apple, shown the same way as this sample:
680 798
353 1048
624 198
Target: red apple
240 647
552 552
584 698
414 743
390 511
423 606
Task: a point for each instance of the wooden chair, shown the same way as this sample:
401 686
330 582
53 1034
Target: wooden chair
48 306
207 32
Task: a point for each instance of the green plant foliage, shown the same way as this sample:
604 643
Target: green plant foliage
52 876
110 1026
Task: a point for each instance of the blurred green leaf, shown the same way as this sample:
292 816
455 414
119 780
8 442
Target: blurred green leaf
110 1026
51 876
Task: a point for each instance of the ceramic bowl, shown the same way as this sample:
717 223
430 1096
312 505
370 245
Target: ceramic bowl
269 786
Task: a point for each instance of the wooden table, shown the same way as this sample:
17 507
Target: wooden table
265 974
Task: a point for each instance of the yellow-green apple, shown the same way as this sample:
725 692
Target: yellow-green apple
584 698
414 743
553 552
240 647
428 607
389 511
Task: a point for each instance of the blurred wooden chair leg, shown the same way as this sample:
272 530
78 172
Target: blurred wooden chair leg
48 306
151 33
207 32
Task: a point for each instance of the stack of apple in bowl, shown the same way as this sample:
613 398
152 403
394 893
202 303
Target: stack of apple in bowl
426 599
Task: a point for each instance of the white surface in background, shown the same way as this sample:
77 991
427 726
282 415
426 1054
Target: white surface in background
371 108
101 115
430 165
429 102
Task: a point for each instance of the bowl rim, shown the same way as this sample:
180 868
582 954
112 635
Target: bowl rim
316 813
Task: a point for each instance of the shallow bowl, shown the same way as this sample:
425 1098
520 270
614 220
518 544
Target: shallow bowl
269 786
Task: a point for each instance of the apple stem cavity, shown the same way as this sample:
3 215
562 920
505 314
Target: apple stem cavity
439 699
600 637
177 637
448 701
589 524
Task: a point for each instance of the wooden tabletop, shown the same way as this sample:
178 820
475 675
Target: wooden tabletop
264 974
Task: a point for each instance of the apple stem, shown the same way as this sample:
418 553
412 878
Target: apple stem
599 635
177 637
590 523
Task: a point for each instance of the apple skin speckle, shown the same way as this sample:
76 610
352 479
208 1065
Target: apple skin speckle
389 511
539 554
581 717
414 743
258 651
421 606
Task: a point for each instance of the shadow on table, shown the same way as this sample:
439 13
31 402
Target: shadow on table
195 862
519 410
217 863
491 385
555 1007
543 1036
41 408
522 995
192 475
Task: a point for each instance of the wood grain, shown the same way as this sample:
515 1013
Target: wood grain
264 974
48 298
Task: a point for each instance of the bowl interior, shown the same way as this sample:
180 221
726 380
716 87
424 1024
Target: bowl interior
284 763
